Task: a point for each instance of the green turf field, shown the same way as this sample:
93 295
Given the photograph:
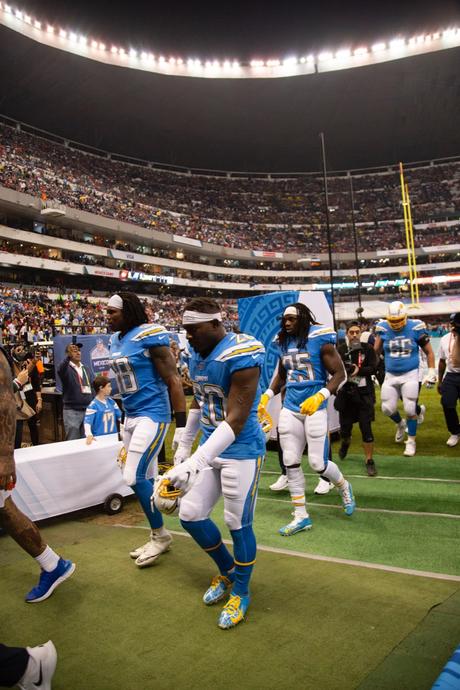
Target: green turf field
369 602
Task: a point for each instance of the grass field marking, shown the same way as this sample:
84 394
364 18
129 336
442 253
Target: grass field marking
380 476
368 510
325 559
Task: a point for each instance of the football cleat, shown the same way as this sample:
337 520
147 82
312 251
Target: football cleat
453 440
49 581
217 590
165 497
400 431
156 546
322 487
234 611
297 525
421 416
371 468
38 676
348 500
135 553
343 450
410 448
280 484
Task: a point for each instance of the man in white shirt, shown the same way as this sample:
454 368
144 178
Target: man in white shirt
76 391
449 378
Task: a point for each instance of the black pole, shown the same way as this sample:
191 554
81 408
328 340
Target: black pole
328 225
355 239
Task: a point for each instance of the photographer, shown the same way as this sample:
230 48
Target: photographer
355 401
449 378
28 391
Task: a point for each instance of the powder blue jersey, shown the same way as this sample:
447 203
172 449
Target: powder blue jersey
143 391
305 371
102 416
212 378
401 348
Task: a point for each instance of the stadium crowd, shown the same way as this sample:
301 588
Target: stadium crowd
255 213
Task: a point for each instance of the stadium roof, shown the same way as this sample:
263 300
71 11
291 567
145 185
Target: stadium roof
405 109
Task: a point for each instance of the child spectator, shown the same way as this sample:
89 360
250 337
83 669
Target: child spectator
102 414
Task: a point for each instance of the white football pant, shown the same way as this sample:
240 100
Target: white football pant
401 385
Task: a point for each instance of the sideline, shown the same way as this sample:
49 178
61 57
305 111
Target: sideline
379 476
326 559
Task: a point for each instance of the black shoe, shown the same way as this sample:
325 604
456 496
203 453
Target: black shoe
343 450
371 468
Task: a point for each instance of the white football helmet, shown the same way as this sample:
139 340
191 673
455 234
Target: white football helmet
166 497
397 315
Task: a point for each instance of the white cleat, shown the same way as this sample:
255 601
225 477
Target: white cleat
280 484
453 440
137 552
410 448
421 416
156 546
323 487
40 667
400 431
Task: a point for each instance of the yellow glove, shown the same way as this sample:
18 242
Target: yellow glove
313 403
264 400
265 420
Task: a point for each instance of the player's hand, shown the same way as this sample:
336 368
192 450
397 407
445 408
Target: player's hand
265 420
7 473
183 476
89 439
178 433
22 377
312 404
430 379
182 453
264 400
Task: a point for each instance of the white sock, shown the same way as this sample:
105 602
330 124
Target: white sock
32 669
47 560
160 532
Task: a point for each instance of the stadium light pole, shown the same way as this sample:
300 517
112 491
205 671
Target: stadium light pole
328 225
355 240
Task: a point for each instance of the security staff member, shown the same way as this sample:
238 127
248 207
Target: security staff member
449 378
355 401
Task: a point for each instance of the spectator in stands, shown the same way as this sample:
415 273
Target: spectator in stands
449 378
76 391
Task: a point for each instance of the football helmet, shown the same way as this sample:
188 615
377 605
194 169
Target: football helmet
397 315
166 497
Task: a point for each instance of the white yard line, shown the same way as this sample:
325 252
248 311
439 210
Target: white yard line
328 559
379 476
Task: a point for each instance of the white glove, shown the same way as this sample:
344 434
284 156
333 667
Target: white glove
178 433
183 476
182 453
431 378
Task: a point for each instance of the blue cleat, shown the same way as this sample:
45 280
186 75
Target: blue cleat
49 581
297 525
234 611
348 500
217 590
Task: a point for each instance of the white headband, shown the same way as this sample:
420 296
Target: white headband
190 317
290 311
115 302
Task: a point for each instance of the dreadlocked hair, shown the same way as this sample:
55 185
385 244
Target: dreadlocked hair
203 304
305 319
133 311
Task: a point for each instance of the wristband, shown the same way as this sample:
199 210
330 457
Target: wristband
220 439
19 385
325 392
269 393
180 418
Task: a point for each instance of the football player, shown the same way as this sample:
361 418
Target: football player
145 372
225 369
400 339
307 356
102 415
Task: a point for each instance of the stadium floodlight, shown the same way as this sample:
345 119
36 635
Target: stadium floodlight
378 47
421 38
132 53
18 14
358 52
172 61
161 59
343 54
436 35
50 29
82 40
72 37
7 9
397 44
180 61
122 52
114 50
37 24
62 33
27 19
144 55
428 38
325 55
288 62
190 62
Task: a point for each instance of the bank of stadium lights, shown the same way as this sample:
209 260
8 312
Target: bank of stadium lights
327 60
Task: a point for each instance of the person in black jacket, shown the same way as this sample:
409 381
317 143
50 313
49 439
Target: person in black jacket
355 401
23 358
76 391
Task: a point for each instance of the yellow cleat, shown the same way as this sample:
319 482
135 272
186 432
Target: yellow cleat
234 611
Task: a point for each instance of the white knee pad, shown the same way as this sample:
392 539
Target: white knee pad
141 439
190 511
230 491
317 440
410 405
292 437
390 397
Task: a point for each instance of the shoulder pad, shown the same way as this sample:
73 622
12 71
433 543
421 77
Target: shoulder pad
242 345
419 325
319 331
149 330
